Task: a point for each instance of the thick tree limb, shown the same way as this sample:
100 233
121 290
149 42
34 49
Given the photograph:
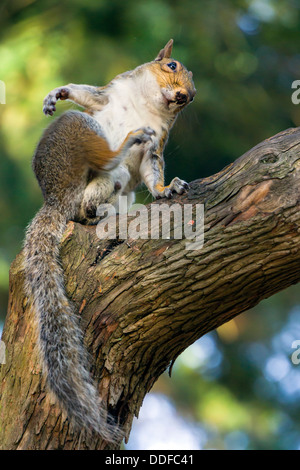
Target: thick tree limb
142 302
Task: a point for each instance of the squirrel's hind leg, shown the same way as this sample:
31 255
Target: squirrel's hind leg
103 189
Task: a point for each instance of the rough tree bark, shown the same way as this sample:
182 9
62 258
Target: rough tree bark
142 302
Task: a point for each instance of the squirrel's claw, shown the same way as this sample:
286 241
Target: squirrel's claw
143 135
51 100
176 186
179 186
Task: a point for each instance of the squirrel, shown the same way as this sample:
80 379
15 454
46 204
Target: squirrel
84 159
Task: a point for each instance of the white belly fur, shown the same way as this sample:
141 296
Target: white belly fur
128 109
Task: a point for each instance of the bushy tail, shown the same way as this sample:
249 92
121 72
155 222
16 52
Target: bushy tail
60 338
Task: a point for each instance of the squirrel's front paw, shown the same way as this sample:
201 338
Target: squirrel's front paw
142 135
52 97
176 186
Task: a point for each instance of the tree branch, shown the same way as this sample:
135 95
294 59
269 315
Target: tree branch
142 302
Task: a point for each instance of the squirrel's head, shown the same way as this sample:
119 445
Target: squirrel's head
175 81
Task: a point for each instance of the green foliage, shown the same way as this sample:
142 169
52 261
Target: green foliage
244 56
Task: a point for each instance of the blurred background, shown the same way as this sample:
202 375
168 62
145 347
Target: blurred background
237 387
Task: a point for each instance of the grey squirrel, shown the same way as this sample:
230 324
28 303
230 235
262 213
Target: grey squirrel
82 160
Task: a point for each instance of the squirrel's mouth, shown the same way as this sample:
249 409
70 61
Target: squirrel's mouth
179 98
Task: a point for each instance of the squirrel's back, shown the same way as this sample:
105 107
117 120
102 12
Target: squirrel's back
58 162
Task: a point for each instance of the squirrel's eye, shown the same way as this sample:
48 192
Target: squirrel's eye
172 65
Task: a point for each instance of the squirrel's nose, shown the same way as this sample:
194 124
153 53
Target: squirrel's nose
181 98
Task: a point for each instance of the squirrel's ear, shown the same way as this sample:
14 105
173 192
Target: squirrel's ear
166 51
